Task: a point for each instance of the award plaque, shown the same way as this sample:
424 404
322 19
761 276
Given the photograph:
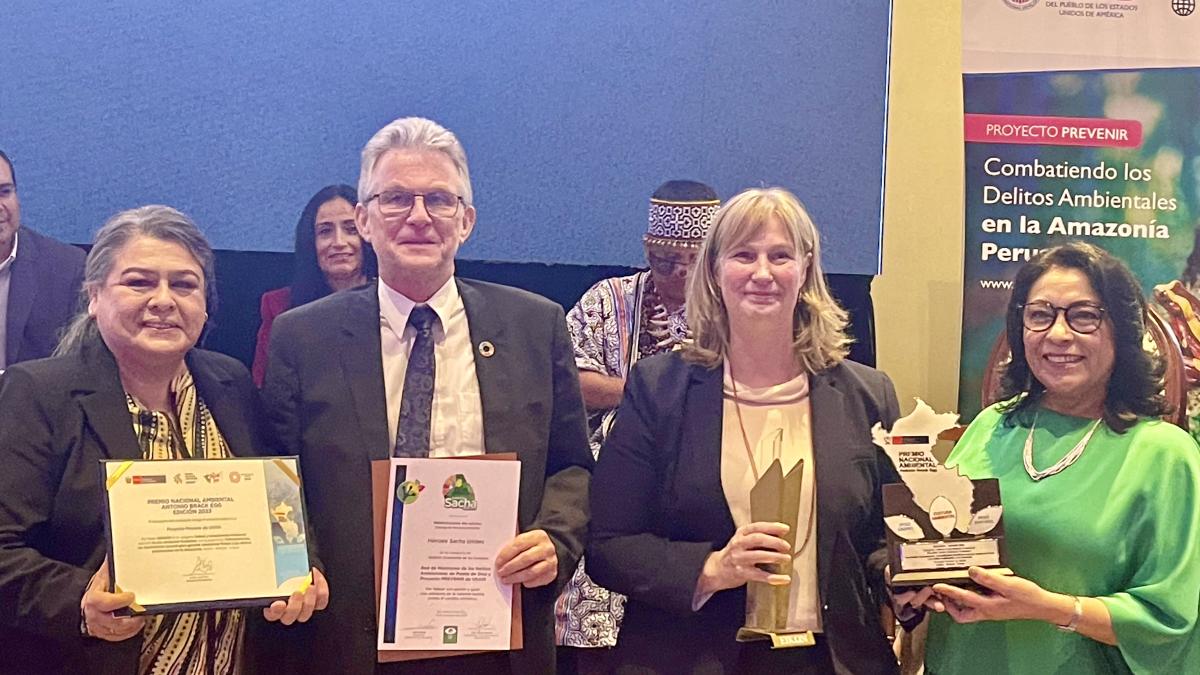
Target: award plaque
197 534
938 522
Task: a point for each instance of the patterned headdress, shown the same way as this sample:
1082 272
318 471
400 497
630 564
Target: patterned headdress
680 213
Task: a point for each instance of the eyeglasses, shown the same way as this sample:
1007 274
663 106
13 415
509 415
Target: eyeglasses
438 203
1082 317
667 266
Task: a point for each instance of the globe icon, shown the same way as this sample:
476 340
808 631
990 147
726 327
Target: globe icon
1183 7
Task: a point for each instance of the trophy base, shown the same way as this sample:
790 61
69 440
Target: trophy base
930 577
779 639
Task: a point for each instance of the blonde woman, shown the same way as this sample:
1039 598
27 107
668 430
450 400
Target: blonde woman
766 378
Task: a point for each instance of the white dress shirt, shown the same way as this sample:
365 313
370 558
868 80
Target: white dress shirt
457 419
5 283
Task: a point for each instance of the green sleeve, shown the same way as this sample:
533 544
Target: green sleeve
1155 618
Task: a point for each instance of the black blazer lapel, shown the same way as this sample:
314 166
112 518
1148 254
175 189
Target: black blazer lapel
362 363
102 399
492 371
217 389
22 287
828 410
700 434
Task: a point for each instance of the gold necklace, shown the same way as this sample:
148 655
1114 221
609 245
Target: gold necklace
812 509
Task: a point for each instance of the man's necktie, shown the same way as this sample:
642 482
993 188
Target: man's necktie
416 404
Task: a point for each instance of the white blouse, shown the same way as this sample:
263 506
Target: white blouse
778 424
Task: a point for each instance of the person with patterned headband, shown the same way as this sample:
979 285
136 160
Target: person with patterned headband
616 322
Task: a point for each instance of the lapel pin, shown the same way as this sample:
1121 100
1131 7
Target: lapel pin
486 349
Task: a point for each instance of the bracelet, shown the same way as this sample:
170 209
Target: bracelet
1077 614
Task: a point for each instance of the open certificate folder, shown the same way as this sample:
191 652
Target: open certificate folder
188 535
446 521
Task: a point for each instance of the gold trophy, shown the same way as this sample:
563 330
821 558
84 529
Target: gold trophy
775 498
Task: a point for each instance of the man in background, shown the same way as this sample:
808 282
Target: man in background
40 279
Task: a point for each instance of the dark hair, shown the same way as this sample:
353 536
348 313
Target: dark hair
11 169
308 281
1135 386
1191 269
155 221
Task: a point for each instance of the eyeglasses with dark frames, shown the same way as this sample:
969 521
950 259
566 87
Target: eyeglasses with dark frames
396 202
1083 317
667 266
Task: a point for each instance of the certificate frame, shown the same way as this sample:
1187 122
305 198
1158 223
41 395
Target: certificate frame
288 464
380 495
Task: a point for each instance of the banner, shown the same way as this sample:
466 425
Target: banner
1082 122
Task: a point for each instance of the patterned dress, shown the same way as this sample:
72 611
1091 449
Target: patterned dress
188 643
615 323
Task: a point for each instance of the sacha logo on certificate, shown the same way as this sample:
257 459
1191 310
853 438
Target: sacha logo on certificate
439 590
458 494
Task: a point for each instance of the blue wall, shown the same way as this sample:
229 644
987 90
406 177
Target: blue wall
571 113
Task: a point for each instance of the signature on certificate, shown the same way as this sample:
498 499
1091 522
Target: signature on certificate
203 566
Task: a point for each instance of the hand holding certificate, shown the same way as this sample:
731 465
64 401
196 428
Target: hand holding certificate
99 608
449 525
188 535
302 603
529 559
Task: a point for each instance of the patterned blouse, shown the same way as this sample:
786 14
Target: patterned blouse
191 643
605 325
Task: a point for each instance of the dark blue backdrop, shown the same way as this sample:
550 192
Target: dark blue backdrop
571 112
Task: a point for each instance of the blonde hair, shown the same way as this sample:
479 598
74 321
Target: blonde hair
819 324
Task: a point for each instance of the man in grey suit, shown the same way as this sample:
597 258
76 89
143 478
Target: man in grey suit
425 364
35 272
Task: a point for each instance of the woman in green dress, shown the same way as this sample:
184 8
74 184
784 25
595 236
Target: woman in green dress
1101 498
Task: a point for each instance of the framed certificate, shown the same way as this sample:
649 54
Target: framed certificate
187 535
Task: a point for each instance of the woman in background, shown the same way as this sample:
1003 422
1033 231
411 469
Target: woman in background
330 256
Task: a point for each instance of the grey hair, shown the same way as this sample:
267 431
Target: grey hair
157 222
413 133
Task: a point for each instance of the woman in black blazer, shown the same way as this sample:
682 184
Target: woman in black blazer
126 383
765 379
